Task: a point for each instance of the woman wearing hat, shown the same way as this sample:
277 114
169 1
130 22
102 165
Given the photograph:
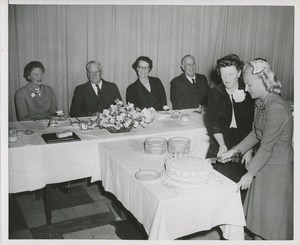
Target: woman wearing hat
269 202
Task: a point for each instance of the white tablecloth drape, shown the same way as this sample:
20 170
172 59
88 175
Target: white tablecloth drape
33 163
166 211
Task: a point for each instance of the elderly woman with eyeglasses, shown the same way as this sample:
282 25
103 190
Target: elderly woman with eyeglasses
269 201
146 91
35 100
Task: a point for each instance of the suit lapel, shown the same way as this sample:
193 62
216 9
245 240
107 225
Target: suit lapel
90 90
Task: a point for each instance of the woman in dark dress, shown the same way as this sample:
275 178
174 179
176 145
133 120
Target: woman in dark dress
146 91
230 113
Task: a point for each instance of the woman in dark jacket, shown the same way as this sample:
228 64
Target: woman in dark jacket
146 91
230 113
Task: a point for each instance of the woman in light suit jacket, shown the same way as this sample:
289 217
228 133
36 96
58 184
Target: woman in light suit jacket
269 202
146 91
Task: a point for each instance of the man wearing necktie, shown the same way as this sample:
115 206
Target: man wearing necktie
95 95
189 90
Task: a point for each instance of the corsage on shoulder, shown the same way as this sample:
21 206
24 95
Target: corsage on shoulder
239 95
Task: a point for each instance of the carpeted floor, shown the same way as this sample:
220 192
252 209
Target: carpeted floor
82 214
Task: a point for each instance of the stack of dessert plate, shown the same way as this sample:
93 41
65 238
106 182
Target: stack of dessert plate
179 145
155 146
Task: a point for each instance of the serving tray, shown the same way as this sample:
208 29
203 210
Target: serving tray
52 138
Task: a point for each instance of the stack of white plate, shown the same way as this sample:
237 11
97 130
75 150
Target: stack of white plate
155 146
179 145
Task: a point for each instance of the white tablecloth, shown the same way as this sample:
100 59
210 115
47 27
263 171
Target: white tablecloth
33 163
166 211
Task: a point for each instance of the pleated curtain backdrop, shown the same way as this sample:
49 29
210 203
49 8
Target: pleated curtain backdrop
65 37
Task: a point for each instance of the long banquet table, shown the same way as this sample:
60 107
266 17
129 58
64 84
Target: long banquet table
113 159
33 163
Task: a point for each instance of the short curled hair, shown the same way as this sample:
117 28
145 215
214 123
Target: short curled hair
230 60
268 77
29 68
143 58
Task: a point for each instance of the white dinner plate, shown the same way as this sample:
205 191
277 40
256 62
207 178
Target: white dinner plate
146 175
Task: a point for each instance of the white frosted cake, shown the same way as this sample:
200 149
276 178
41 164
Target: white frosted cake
188 169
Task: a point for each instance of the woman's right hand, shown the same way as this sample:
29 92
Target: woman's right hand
222 150
226 156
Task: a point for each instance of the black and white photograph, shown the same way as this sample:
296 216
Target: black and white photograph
149 121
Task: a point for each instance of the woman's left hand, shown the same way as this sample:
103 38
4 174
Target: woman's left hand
245 181
247 157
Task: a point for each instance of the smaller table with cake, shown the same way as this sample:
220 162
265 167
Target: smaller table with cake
172 196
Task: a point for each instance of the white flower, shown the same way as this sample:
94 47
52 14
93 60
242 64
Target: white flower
32 95
148 114
136 123
166 107
239 95
105 112
60 113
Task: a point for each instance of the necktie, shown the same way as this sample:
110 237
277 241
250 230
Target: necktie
98 91
194 82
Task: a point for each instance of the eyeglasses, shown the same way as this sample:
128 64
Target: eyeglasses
97 73
189 65
146 68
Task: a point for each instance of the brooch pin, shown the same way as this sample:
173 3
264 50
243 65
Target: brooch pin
262 108
32 94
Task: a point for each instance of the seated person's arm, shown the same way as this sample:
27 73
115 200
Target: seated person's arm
131 98
117 93
53 108
77 109
205 92
163 97
21 108
176 97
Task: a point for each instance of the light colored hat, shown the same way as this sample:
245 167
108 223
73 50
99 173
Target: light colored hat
252 70
260 69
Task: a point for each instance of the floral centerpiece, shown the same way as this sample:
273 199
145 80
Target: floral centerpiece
121 117
60 115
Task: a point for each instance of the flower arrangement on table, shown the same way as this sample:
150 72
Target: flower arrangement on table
122 117
60 115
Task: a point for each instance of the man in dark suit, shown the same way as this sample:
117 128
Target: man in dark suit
94 95
189 90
